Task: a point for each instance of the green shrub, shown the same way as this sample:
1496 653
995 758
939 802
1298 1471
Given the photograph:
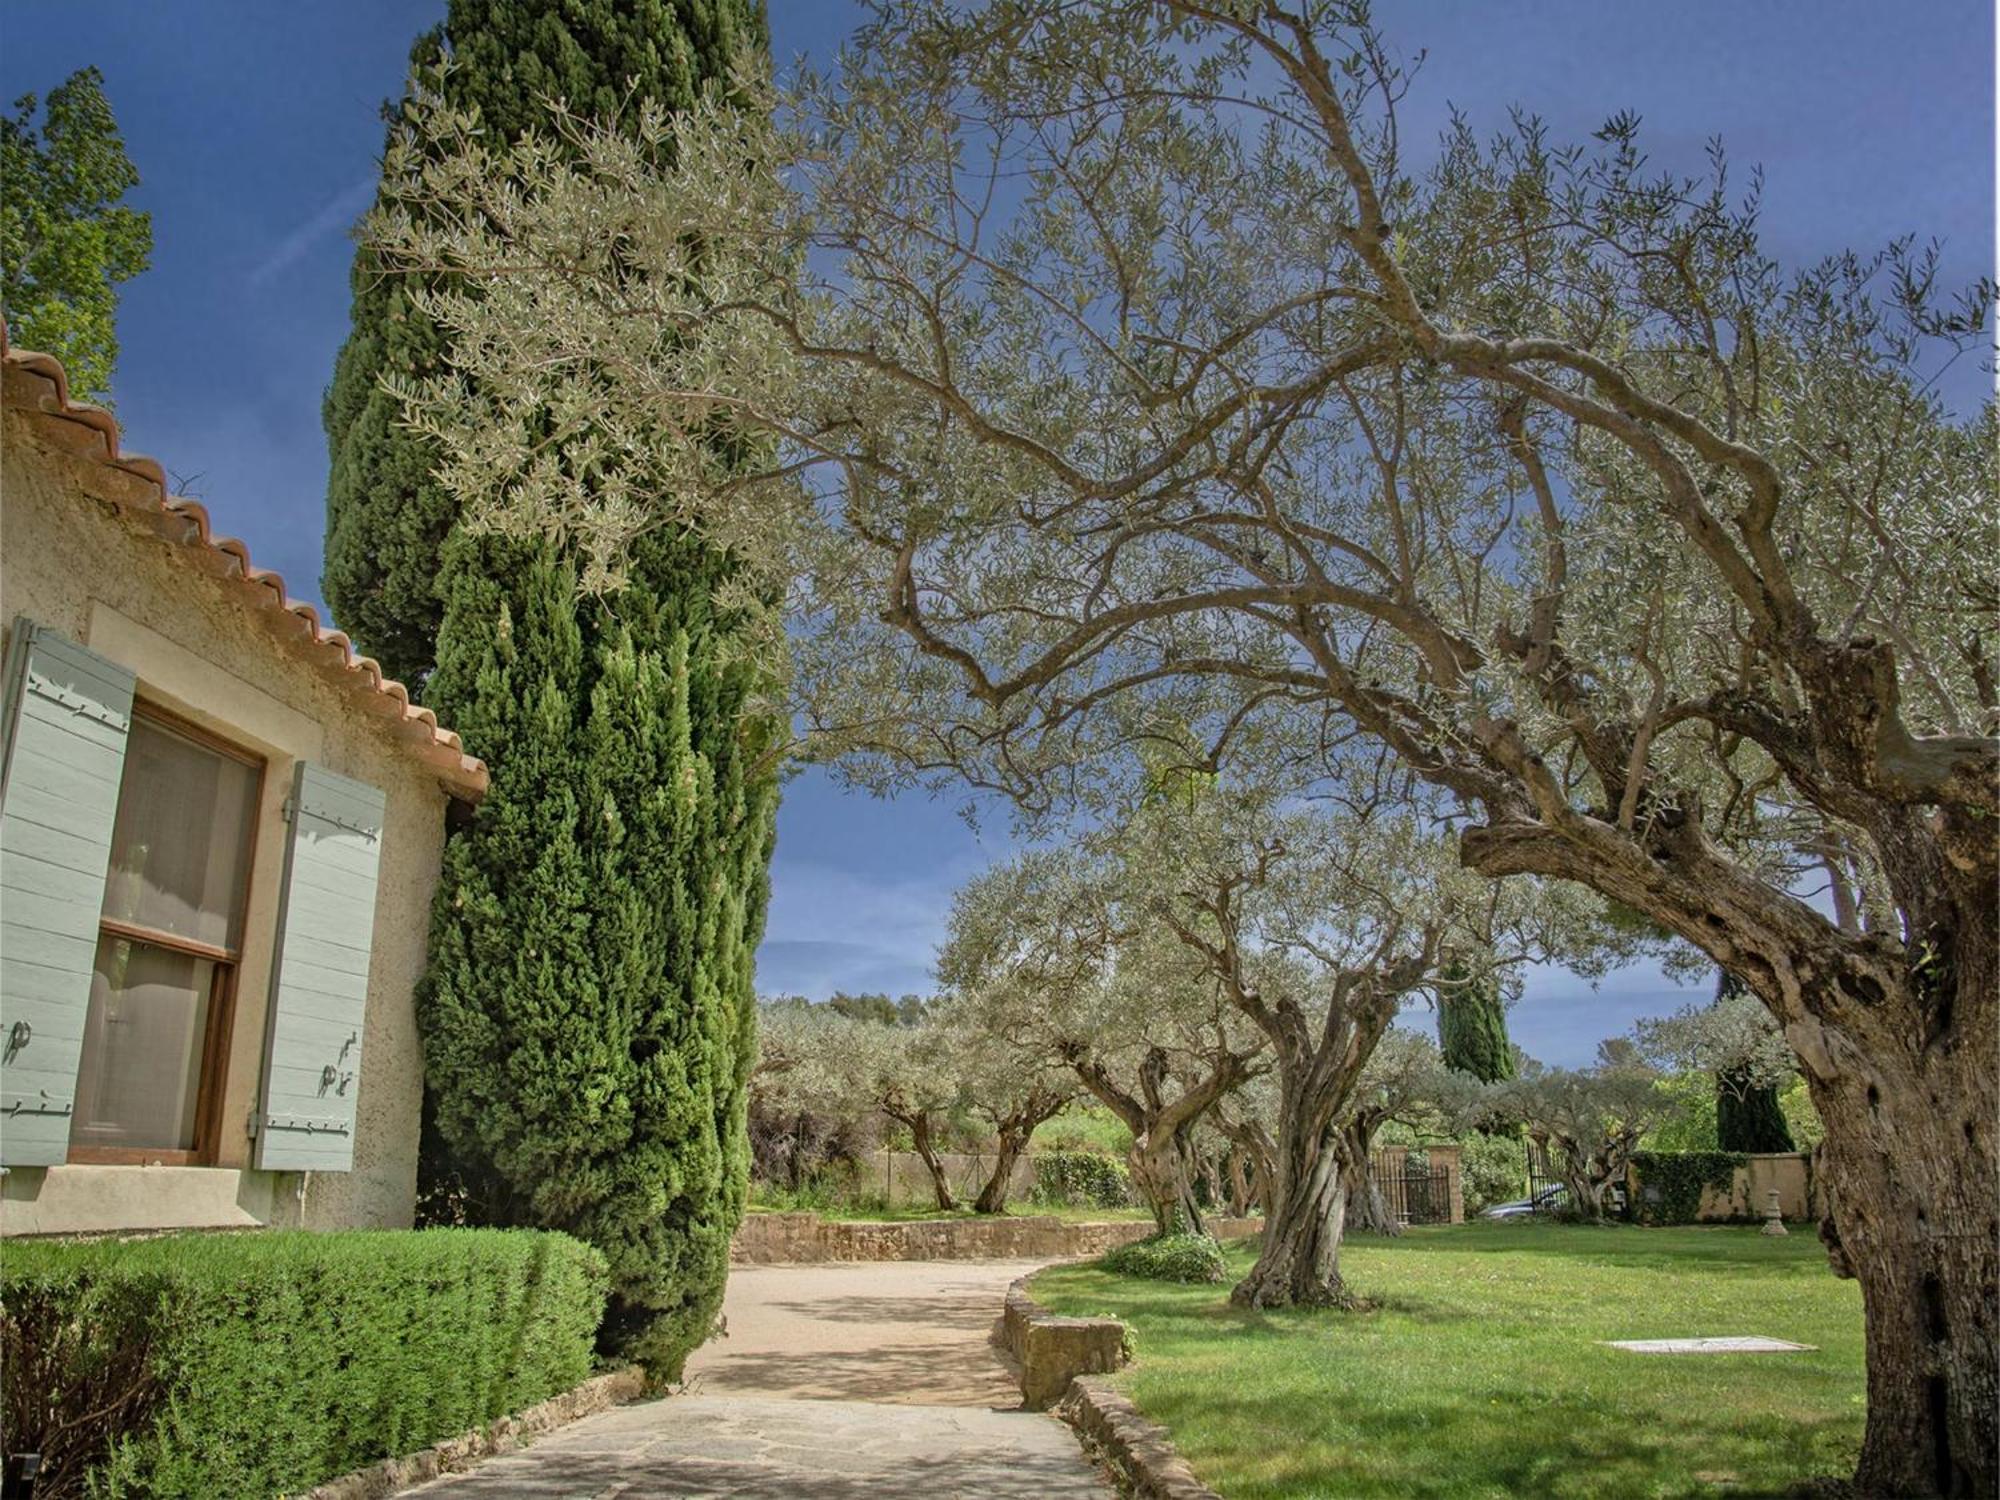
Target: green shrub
1670 1182
1088 1127
263 1364
1081 1179
1492 1169
1169 1257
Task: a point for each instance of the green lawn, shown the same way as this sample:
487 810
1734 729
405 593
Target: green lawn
1478 1373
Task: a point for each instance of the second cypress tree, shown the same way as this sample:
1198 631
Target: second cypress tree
1472 1025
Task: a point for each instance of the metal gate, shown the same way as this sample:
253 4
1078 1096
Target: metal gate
1415 1192
1541 1174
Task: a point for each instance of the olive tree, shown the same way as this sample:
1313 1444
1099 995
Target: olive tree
1592 1121
910 1074
1244 1118
1041 955
1010 1089
1119 356
1405 1081
818 1060
1313 921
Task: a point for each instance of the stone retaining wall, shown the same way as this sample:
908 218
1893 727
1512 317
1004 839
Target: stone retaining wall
1060 1362
806 1238
1050 1351
1134 1445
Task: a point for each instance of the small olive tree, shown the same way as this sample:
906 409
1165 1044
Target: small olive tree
1408 1082
1039 957
1592 1122
1011 1090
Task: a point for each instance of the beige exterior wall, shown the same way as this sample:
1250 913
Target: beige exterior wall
1787 1173
83 567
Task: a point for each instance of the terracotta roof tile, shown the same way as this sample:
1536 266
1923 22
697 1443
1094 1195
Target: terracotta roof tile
37 383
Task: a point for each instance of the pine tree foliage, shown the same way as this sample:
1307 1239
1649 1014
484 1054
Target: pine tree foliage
66 237
386 516
588 1015
1472 1026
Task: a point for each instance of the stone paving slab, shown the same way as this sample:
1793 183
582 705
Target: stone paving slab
1739 1344
753 1448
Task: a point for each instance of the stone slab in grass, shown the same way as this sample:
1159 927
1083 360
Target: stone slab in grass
1736 1345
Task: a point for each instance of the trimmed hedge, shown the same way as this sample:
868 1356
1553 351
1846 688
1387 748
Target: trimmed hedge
1169 1257
266 1363
1671 1182
1081 1179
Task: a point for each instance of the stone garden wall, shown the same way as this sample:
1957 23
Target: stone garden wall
804 1238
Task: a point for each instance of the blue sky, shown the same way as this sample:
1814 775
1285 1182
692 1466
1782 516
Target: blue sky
255 128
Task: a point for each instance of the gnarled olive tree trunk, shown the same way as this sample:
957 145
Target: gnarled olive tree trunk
1367 1212
1906 1174
1013 1131
1162 1174
1160 1115
918 1123
1298 1263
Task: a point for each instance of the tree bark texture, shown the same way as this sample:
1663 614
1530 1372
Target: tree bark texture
1367 1212
920 1141
1299 1264
992 1197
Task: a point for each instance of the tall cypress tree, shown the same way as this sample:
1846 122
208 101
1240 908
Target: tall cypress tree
588 1010
1472 1025
1748 1116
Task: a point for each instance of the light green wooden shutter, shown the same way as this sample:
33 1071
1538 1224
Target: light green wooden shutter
68 712
319 977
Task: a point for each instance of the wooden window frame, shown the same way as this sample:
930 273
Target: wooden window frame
221 1025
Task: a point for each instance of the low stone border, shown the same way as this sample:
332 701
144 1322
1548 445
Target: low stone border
806 1238
1061 1362
1136 1447
1050 1351
502 1435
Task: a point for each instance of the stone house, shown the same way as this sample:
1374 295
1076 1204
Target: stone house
219 835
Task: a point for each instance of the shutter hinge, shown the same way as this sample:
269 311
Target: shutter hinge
37 1103
339 822
76 703
291 806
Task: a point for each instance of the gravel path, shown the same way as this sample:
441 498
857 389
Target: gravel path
836 1382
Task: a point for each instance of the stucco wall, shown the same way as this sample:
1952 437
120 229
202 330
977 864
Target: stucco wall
97 574
1788 1173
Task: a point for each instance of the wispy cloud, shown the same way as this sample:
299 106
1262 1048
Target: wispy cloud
838 929
334 217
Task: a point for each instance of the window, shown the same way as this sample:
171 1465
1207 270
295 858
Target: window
155 1038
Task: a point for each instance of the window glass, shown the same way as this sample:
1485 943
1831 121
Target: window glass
140 1081
180 850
